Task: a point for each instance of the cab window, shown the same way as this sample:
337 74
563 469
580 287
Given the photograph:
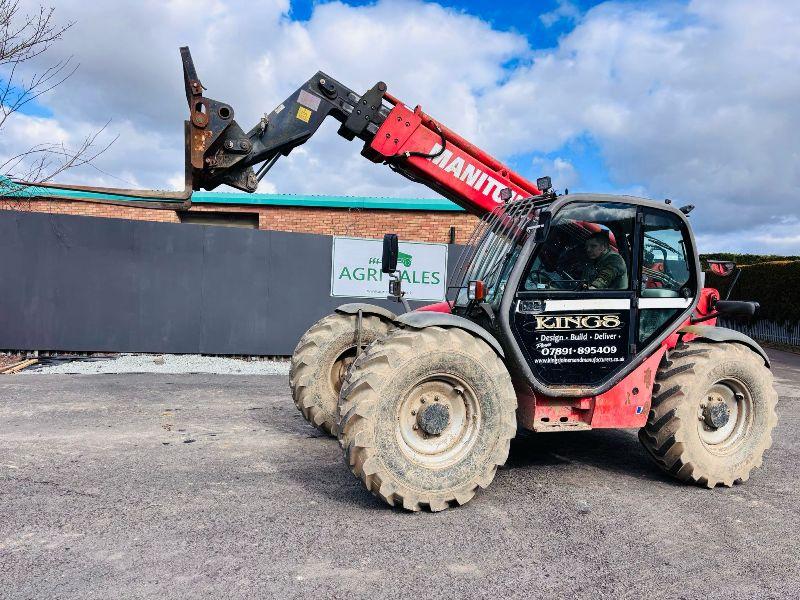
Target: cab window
665 270
665 273
589 247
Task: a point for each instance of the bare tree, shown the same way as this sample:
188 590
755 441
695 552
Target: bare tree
24 37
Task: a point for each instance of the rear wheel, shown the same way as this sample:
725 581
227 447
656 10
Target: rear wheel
321 360
426 416
712 414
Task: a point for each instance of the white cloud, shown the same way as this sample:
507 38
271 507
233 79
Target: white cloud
779 236
694 102
697 104
560 170
565 11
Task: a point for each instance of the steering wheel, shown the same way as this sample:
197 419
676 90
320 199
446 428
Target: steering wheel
550 279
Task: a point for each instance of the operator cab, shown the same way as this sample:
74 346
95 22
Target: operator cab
606 279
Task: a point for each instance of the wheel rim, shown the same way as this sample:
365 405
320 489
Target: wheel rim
339 369
725 415
439 419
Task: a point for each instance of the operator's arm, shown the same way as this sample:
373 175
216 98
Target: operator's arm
611 273
407 140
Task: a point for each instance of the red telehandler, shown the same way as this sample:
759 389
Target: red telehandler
564 313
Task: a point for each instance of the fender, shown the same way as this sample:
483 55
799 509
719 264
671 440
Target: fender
421 320
368 309
723 334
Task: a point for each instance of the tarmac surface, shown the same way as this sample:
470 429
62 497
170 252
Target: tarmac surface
199 486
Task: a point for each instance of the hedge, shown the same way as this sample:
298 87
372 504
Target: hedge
774 284
746 259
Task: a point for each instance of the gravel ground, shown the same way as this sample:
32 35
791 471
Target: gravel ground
206 486
166 363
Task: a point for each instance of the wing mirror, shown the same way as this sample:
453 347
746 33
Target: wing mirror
737 309
722 268
389 266
390 250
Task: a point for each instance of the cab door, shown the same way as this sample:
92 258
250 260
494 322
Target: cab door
574 314
667 275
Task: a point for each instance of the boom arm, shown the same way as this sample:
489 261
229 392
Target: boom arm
409 141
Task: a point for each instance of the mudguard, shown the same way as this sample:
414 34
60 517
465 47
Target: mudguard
421 320
367 309
723 334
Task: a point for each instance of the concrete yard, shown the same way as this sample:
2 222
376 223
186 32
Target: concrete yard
198 486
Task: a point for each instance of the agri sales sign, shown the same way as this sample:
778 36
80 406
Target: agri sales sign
356 269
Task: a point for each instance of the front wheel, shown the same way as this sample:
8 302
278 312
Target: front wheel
426 416
712 414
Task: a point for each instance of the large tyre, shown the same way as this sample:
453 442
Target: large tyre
426 417
712 413
320 361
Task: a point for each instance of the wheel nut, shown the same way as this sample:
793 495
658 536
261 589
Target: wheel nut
436 398
415 426
413 412
423 400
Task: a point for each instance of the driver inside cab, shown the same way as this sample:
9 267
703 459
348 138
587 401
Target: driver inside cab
604 268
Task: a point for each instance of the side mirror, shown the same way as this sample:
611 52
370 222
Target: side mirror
389 258
723 268
543 227
736 309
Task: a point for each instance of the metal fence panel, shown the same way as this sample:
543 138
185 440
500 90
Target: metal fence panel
74 283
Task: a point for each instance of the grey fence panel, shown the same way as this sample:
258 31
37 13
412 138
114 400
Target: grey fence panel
166 270
73 283
233 316
300 281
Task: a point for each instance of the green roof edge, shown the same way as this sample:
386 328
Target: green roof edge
440 204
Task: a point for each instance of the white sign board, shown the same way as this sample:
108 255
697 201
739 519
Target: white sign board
356 269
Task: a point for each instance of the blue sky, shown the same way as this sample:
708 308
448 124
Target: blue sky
694 100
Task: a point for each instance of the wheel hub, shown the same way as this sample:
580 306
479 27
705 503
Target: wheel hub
438 420
340 368
724 415
434 418
716 413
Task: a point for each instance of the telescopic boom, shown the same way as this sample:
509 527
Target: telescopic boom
409 141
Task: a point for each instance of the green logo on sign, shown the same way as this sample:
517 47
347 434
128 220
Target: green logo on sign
403 258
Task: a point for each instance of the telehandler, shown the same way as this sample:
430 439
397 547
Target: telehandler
564 313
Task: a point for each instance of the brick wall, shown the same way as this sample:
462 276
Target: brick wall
412 225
